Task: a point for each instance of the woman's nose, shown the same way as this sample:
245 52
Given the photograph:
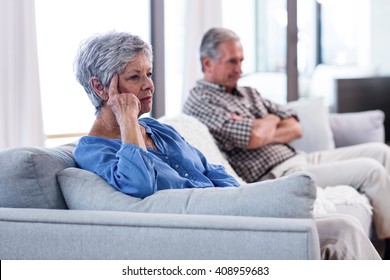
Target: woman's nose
147 84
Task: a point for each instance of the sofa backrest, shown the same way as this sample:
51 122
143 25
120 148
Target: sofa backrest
325 131
28 176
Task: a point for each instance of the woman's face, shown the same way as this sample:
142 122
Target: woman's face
137 79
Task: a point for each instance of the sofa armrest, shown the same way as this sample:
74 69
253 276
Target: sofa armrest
324 131
357 128
76 234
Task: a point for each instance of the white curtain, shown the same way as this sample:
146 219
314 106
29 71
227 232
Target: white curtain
201 15
20 104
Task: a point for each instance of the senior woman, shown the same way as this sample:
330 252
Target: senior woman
136 156
141 156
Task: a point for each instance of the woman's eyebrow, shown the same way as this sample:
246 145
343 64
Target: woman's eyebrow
137 71
132 71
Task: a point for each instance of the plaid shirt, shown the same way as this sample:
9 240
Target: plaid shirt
213 106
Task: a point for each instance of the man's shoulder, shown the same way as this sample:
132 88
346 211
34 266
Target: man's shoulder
245 90
201 92
199 95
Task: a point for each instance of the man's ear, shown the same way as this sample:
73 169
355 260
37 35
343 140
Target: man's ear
206 63
99 88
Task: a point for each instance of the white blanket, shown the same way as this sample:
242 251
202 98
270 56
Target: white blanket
328 198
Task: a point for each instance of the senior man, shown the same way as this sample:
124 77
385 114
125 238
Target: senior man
255 133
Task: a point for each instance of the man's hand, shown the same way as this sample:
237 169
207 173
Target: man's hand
288 130
236 117
263 131
271 130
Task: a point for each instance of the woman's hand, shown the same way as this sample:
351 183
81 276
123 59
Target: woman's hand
123 105
126 108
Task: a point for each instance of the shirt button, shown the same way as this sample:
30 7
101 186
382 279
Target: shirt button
186 175
166 157
177 166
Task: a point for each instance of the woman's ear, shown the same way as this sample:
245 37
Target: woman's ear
99 88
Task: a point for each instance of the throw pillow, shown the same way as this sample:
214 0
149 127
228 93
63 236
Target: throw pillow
314 118
287 197
28 176
357 128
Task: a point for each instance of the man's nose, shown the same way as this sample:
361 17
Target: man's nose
239 68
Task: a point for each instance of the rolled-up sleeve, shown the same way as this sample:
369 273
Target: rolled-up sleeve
131 172
236 133
126 167
281 111
228 132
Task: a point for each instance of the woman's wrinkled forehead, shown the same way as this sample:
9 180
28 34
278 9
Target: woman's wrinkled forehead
141 62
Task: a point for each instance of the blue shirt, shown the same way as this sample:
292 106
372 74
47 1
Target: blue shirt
131 170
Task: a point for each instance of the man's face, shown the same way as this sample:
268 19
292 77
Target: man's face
227 69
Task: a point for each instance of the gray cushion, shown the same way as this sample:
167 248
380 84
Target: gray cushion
357 128
288 197
28 176
314 119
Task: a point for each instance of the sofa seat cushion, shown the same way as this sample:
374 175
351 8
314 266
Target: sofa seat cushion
28 176
292 196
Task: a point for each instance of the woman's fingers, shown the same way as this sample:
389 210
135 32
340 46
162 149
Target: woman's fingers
113 88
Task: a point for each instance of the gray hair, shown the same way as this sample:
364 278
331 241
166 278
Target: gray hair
211 41
104 55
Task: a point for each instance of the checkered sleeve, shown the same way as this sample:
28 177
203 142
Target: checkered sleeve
217 117
280 110
271 107
235 134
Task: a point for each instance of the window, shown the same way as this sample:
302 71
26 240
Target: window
61 26
333 41
174 19
262 27
245 27
345 28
